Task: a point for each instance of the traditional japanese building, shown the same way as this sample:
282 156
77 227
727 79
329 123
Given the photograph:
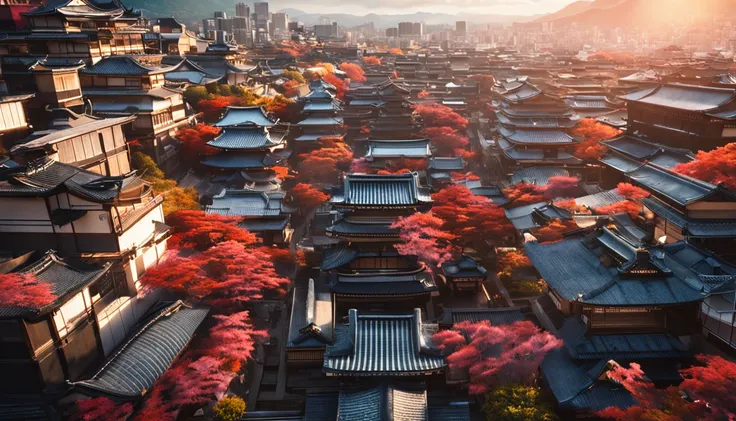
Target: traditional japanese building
441 169
533 127
683 116
311 324
249 145
263 213
54 83
14 123
94 144
77 29
364 270
464 274
383 152
122 86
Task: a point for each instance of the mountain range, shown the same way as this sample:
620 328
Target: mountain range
188 11
639 13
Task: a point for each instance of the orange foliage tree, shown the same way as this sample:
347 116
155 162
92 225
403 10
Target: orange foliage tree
437 115
626 206
196 230
423 94
522 194
593 132
194 141
371 61
717 166
631 192
554 231
307 196
395 51
290 88
511 260
354 71
446 140
324 164
340 85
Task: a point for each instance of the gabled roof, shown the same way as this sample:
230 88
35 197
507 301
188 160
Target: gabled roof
464 267
527 217
321 85
64 279
57 136
242 160
248 203
685 97
416 282
496 316
123 66
246 138
44 177
446 164
381 190
680 189
642 150
537 137
538 176
137 364
384 345
311 315
694 228
383 403
77 8
418 148
316 120
245 116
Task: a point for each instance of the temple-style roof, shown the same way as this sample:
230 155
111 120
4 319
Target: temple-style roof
77 8
246 138
45 177
366 228
600 199
384 345
63 278
537 137
367 283
248 203
496 316
464 267
337 256
134 368
536 155
242 160
367 190
322 106
398 149
245 116
317 120
311 315
446 164
612 269
643 150
535 123
538 176
717 102
188 71
532 216
55 136
122 66
680 189
321 85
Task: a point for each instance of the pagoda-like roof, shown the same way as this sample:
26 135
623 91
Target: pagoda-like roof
539 176
537 137
418 148
245 116
381 190
383 284
364 228
242 160
464 267
135 367
536 155
644 150
316 120
446 163
78 8
399 345
535 123
123 66
64 280
320 84
246 138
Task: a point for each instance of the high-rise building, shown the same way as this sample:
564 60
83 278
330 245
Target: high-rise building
392 32
261 11
417 28
242 9
323 31
335 33
461 28
280 21
220 15
263 21
405 29
242 28
208 28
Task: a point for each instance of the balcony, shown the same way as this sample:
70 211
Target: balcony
130 218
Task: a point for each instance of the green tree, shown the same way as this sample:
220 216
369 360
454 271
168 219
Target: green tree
179 198
517 403
147 168
194 94
230 408
293 75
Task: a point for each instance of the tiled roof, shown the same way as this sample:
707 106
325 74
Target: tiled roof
75 9
315 120
685 97
419 282
619 161
337 256
321 106
383 403
321 407
61 135
246 138
455 411
398 149
537 175
262 225
122 66
381 190
310 325
680 189
367 102
384 345
538 156
532 123
703 228
242 160
63 279
247 203
245 116
632 146
45 176
464 267
598 200
576 272
546 137
134 368
447 164
364 227
526 217
496 316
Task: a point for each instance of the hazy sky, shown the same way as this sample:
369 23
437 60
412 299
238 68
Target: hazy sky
502 7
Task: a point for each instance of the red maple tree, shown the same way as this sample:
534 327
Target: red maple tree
437 115
354 71
212 108
307 196
522 194
717 166
593 132
554 231
194 141
626 206
423 94
232 338
324 164
197 230
495 355
511 260
422 236
562 186
572 206
340 85
24 290
225 275
631 192
395 51
371 61
485 82
290 88
446 140
101 409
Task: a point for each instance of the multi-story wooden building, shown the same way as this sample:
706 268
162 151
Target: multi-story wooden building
14 124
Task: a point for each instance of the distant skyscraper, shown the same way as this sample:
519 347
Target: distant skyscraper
323 31
280 21
405 28
221 15
392 32
263 21
242 9
461 28
335 30
417 28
